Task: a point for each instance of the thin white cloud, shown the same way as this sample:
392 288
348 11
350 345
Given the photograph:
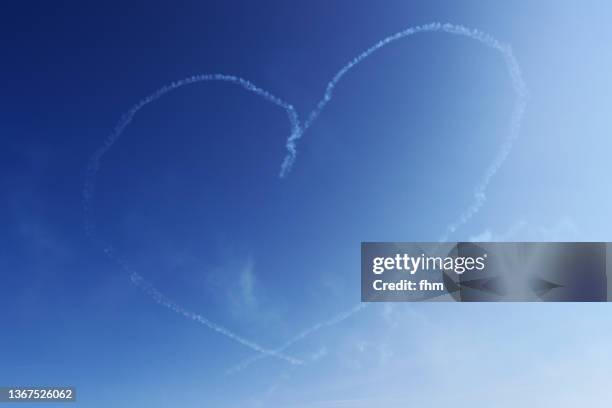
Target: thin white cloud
247 284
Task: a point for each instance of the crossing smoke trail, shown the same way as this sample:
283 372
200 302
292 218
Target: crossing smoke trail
89 190
520 88
297 131
328 323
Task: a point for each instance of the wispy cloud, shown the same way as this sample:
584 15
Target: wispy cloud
242 293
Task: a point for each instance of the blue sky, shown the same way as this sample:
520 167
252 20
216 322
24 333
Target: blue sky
189 197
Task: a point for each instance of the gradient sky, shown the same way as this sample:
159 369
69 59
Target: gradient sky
190 197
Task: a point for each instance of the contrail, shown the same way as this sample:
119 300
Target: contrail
297 131
89 190
520 88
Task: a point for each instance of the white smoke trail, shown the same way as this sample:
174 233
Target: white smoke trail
297 131
89 190
519 87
